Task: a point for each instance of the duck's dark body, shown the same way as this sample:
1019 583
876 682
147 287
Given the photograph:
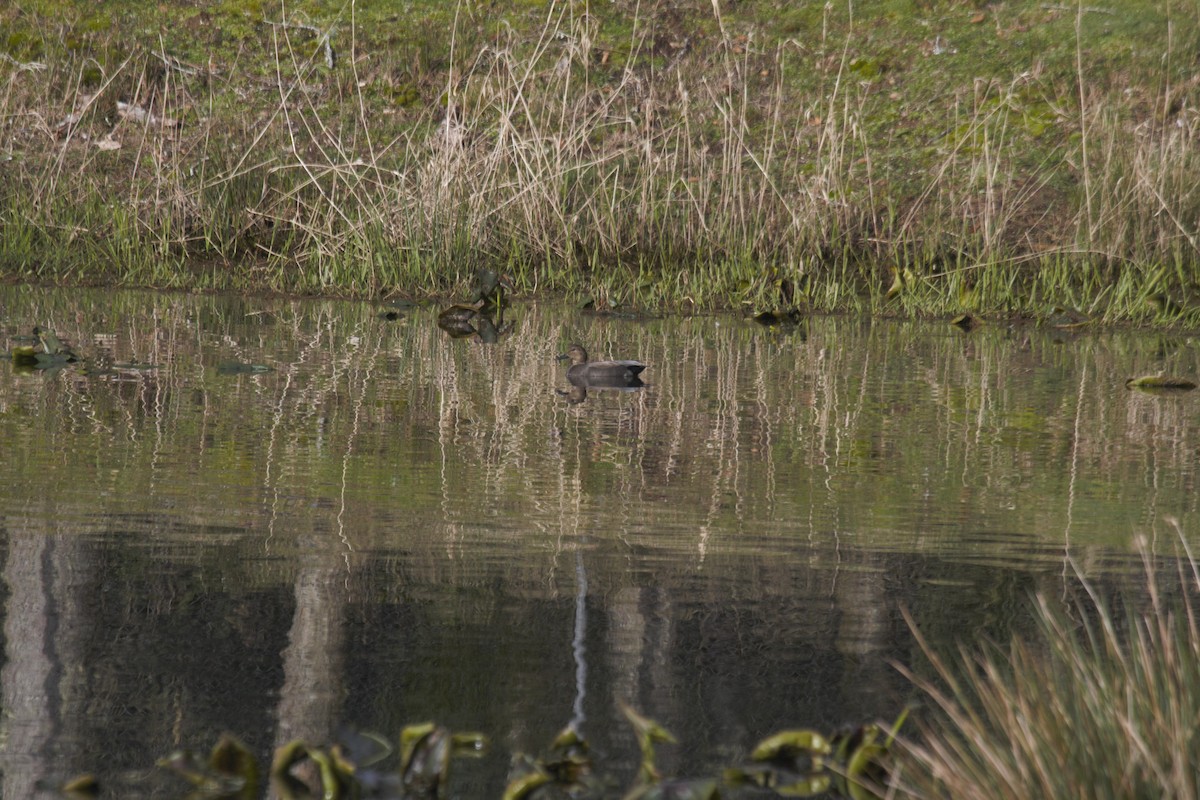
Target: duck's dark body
601 373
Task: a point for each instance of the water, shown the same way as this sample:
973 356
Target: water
392 526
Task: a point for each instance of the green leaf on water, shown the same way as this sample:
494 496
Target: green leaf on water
465 744
861 760
410 737
24 356
648 732
522 787
1160 382
788 744
231 757
425 757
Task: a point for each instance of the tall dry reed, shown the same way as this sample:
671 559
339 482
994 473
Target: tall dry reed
1099 703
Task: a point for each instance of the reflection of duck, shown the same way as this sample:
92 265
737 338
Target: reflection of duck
459 313
600 374
460 321
575 395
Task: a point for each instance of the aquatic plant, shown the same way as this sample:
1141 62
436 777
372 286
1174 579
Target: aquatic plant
1099 703
798 763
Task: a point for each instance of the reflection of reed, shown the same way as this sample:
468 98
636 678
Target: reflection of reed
759 501
890 436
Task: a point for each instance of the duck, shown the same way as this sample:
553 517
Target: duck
600 373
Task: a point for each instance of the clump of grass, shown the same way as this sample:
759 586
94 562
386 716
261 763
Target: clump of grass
1096 704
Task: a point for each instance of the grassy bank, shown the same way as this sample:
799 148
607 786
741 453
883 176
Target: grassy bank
900 157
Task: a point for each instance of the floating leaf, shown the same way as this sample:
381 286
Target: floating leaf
568 738
231 757
1160 382
85 784
468 743
521 787
425 757
863 758
646 728
24 356
786 745
336 780
410 737
648 732
300 771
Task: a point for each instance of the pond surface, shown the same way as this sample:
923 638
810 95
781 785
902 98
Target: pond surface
392 525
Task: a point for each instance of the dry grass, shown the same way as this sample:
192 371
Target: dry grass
678 180
1098 704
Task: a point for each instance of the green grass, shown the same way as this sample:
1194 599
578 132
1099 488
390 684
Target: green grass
1009 158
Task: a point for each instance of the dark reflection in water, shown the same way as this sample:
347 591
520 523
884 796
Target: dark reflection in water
390 525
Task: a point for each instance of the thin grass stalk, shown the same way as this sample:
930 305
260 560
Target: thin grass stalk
1088 708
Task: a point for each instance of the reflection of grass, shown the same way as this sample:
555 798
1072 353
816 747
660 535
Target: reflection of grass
1098 704
902 433
1017 156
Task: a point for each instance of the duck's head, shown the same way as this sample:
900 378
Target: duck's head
576 354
